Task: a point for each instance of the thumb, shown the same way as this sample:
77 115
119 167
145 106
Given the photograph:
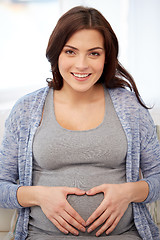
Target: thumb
75 191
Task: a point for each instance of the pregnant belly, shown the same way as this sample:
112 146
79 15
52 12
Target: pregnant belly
84 205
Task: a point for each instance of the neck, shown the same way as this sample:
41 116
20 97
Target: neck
70 96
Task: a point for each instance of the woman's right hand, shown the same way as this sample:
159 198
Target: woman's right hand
54 204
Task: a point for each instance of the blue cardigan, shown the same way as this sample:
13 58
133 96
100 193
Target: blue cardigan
143 153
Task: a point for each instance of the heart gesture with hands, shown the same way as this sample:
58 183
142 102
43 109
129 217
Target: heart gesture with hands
111 209
54 204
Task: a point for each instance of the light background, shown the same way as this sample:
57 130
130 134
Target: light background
25 28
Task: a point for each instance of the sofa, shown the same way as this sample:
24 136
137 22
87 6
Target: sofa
8 217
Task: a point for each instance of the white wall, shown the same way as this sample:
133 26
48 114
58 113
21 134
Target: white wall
144 48
25 31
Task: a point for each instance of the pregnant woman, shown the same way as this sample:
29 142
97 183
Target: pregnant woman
78 145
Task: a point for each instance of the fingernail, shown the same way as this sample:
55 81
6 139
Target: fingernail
83 229
76 233
65 231
87 223
97 234
89 230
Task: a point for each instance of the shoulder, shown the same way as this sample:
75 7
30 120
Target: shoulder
128 107
122 95
28 105
31 99
127 103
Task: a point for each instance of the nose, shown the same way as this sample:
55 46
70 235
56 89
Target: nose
81 63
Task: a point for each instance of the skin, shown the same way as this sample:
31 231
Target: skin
81 64
77 56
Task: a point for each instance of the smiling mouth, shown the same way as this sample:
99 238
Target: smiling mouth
81 75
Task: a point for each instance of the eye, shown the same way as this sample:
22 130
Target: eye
95 54
69 52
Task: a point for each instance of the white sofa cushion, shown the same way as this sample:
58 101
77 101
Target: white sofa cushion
5 219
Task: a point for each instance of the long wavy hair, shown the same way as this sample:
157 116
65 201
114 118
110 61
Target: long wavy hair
114 74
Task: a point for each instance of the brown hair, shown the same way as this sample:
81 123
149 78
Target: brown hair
114 74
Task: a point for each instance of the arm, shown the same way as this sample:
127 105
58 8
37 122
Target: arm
9 169
137 191
150 157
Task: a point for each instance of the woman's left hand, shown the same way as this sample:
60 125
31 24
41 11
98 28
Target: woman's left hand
110 211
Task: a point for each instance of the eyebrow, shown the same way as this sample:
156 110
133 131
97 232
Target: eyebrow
91 49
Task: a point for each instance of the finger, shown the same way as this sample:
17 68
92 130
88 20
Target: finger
95 190
112 227
71 211
111 223
67 226
72 221
75 191
96 213
99 221
62 229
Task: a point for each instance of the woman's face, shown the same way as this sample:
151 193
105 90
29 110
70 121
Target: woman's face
81 61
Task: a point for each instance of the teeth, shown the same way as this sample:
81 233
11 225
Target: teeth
80 75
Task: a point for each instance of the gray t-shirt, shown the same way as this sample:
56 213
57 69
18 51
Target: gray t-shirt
82 159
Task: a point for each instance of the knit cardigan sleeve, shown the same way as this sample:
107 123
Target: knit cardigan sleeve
9 163
16 147
143 145
149 155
